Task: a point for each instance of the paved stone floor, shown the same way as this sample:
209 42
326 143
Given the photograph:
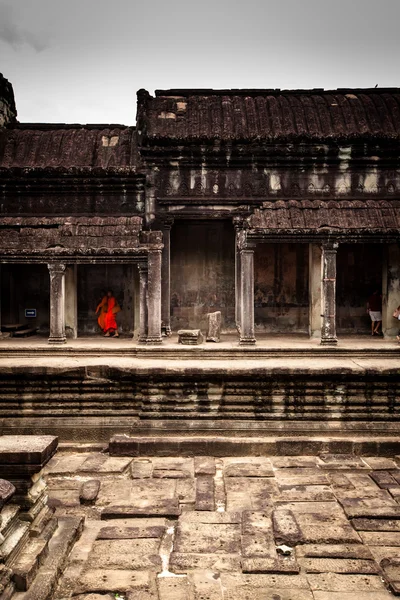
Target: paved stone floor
272 528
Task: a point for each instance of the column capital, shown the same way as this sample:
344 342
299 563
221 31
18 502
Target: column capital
56 268
330 246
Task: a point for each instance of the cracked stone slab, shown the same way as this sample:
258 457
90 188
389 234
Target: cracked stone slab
339 565
248 467
334 551
114 580
376 524
335 582
204 465
138 554
141 468
182 562
205 497
209 538
174 464
325 528
286 527
381 538
270 565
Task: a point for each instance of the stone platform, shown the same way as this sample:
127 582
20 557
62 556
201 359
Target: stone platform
317 527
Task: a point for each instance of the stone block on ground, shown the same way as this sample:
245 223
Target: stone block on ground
190 337
205 498
174 588
183 562
114 580
214 327
139 554
29 450
7 490
204 465
339 565
250 467
89 491
27 563
391 573
201 537
270 565
336 582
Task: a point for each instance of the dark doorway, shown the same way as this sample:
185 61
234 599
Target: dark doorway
25 287
359 272
202 273
93 280
281 288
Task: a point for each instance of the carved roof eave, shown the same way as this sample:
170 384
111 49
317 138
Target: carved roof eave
344 235
66 255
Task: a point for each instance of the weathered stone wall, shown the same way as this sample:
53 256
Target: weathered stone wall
8 112
25 286
202 273
359 272
95 279
281 288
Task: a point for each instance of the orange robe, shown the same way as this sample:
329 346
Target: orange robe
112 309
103 311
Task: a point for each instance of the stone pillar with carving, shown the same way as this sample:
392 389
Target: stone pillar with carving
154 297
328 293
143 316
57 303
237 283
166 279
246 294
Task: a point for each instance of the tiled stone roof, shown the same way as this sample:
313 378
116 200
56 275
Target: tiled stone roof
270 115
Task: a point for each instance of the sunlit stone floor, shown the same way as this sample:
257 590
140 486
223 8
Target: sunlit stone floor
273 528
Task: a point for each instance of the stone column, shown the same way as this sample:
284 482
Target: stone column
57 303
391 289
247 337
328 295
143 316
154 297
237 284
71 302
166 280
314 290
1 287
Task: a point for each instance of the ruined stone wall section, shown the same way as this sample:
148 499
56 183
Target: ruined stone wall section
8 111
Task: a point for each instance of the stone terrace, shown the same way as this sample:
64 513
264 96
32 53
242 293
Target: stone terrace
321 527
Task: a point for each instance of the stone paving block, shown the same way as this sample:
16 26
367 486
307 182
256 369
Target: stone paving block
174 588
325 528
207 585
126 491
190 561
258 545
255 522
248 467
383 479
376 524
381 538
335 582
383 496
170 474
63 498
204 465
395 493
250 493
141 468
334 551
179 464
138 554
202 537
340 481
67 464
167 508
115 465
93 462
305 493
114 580
273 593
205 498
381 552
391 573
286 528
300 462
316 478
144 529
186 491
378 463
310 507
89 491
270 565
211 517
352 595
26 566
341 461
339 565
370 507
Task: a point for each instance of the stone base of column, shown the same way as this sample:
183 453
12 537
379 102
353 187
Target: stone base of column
153 340
57 340
247 341
328 342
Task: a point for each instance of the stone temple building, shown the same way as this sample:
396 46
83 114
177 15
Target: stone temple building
281 209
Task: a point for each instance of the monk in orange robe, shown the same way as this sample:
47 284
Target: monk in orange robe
102 309
110 323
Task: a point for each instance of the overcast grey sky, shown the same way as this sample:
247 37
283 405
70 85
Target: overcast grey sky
83 60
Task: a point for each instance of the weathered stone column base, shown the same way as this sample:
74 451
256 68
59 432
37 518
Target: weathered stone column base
57 340
247 342
328 342
152 340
